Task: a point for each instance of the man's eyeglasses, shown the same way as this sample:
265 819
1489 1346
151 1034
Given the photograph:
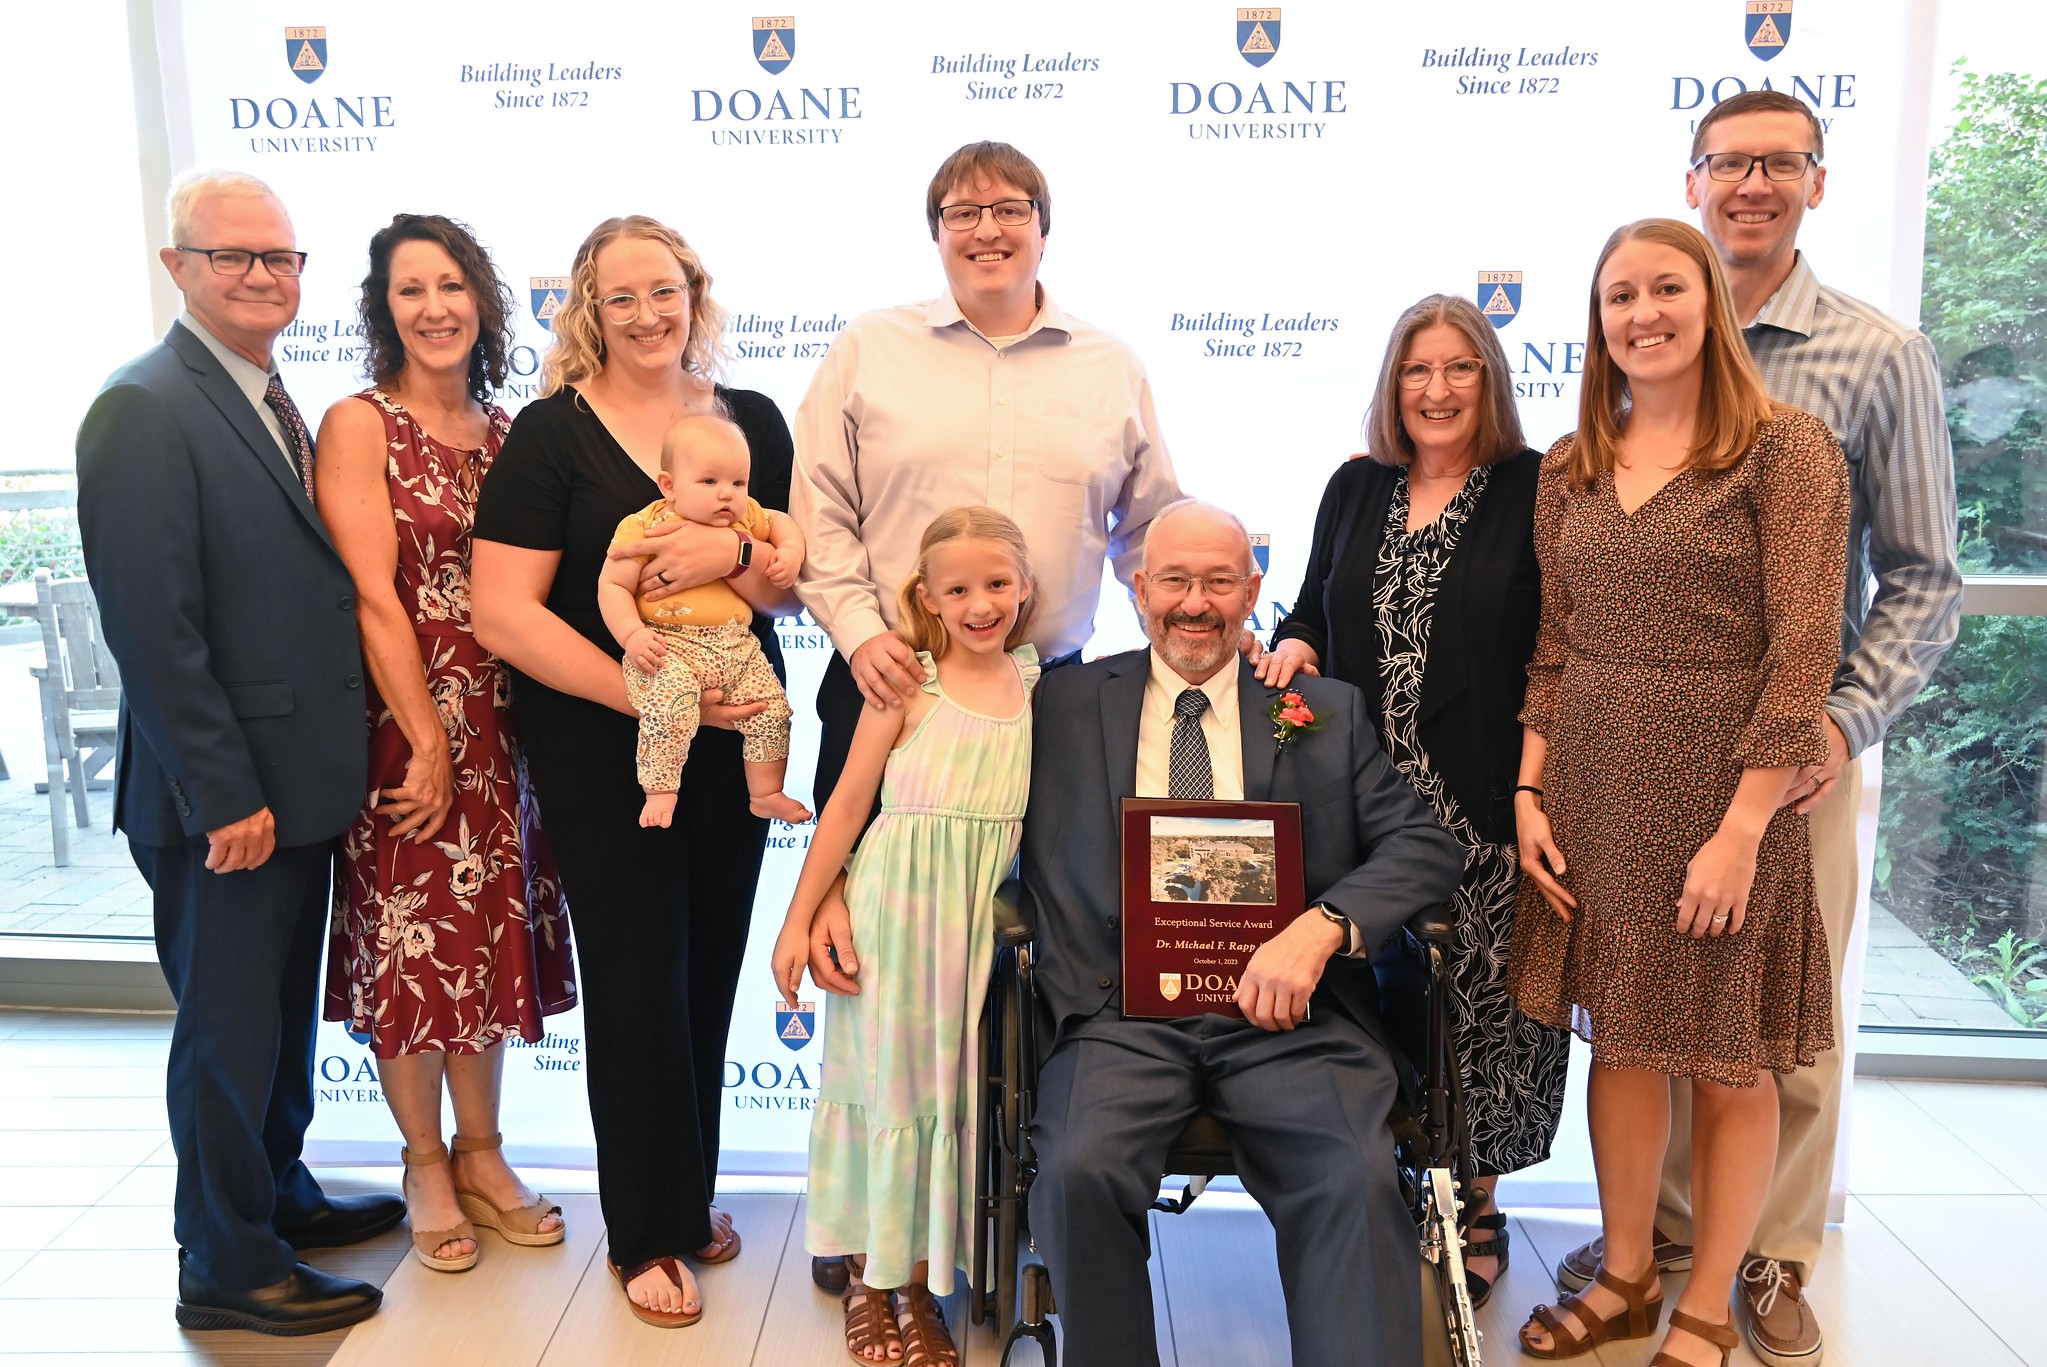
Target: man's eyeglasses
240 261
1010 213
1776 165
1461 374
665 300
1179 585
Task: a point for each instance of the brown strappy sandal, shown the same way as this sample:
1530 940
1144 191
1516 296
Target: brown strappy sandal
926 1341
519 1225
870 1323
425 1241
1636 1321
660 1319
1721 1336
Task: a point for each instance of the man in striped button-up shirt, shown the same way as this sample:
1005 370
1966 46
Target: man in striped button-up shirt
1875 381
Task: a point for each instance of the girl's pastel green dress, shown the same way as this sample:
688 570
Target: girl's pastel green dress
892 1140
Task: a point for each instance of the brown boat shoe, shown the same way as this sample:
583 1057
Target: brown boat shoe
1780 1324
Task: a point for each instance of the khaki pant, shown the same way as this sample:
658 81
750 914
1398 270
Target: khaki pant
727 657
1794 1218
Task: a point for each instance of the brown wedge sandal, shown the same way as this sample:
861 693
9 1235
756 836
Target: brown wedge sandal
1721 1336
425 1241
870 1323
926 1342
1636 1321
519 1225
660 1319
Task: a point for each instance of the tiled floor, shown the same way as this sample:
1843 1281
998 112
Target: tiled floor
1947 1179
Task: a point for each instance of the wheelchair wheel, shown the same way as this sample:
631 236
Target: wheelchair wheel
1009 1175
1443 1248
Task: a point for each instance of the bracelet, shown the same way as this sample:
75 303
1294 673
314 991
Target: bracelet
1529 788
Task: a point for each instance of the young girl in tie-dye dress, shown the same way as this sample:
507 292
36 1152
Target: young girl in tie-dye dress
892 1139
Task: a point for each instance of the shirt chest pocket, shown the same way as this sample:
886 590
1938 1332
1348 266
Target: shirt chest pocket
1079 444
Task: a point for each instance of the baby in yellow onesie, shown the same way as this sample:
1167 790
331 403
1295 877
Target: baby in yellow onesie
676 647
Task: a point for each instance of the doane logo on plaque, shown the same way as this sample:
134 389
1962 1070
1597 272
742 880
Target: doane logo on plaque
1204 884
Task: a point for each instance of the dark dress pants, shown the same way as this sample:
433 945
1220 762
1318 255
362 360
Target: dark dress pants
241 952
1306 1111
660 920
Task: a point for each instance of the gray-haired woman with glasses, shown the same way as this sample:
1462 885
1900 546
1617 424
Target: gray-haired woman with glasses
1422 590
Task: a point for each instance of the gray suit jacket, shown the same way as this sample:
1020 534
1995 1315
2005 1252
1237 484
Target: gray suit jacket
1373 849
225 604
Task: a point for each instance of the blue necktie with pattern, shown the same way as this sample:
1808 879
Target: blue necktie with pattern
1189 776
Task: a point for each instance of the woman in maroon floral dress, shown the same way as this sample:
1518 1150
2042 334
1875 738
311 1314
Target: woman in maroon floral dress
449 933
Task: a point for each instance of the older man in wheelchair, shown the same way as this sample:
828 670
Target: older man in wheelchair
1295 1097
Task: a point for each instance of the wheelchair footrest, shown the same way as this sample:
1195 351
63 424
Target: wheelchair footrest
1177 1205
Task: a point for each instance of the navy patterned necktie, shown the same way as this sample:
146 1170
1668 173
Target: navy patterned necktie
294 429
1189 776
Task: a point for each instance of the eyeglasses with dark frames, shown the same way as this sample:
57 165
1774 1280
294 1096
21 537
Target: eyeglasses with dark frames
1010 213
240 260
1776 165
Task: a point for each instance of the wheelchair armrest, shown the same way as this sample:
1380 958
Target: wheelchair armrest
1016 915
1433 925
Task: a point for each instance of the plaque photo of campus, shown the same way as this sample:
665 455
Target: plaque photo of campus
1212 859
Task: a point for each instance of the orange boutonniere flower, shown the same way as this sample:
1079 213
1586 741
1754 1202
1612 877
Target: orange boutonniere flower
1290 715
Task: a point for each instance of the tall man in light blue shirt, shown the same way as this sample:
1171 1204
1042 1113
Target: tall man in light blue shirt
1755 170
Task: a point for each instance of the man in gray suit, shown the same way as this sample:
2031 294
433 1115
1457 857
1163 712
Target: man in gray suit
1304 1095
242 750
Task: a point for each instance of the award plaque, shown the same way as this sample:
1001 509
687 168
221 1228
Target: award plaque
1204 884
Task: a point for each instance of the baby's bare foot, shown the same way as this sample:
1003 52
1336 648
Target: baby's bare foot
659 811
780 806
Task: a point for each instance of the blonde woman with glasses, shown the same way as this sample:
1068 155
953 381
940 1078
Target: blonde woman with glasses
659 913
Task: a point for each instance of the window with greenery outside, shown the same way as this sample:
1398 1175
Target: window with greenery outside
1962 841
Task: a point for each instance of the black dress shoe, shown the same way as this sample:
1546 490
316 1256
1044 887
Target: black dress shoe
309 1301
346 1220
830 1274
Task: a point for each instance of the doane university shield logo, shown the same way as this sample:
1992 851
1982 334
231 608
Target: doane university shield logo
549 293
796 1026
1766 28
1257 35
774 43
1499 296
1169 986
305 51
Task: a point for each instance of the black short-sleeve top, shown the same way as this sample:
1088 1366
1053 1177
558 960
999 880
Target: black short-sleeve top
562 483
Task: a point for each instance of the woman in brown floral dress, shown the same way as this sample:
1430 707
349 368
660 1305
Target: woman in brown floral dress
1691 536
449 934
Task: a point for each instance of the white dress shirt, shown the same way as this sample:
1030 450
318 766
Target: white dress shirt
252 379
914 411
1218 724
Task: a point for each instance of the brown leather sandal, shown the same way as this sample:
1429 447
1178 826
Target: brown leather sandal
1636 1321
518 1225
1721 1336
870 1323
660 1319
719 1250
425 1241
926 1342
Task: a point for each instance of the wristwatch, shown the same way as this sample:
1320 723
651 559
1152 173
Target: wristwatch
1343 923
745 562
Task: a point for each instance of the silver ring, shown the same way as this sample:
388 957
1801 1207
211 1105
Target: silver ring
1718 919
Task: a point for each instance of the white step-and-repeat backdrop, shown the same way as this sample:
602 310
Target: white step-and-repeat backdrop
1248 196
